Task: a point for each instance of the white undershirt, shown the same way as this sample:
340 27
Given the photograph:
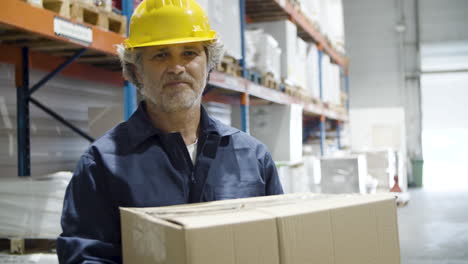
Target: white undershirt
192 150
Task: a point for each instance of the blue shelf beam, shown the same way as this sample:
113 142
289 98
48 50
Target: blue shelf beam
323 121
320 69
347 91
61 119
338 134
24 98
22 94
322 118
244 96
130 92
51 75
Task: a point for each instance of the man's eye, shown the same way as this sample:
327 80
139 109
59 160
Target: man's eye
190 53
161 55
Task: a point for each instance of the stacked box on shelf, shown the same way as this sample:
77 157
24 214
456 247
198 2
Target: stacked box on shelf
219 111
263 54
312 70
311 10
331 22
279 127
300 68
331 81
285 32
227 29
382 165
346 174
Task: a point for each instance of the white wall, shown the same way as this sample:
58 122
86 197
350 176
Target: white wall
54 147
443 21
384 61
371 46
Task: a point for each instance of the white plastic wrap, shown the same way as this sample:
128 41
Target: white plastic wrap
331 22
382 166
331 81
219 111
279 127
312 167
301 57
31 208
263 53
311 9
251 40
312 71
29 259
285 32
294 178
224 16
344 174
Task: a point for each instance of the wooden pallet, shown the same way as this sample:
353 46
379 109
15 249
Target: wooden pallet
27 245
61 7
90 14
230 65
117 23
268 80
293 90
106 6
93 15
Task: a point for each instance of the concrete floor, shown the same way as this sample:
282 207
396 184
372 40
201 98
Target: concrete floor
434 228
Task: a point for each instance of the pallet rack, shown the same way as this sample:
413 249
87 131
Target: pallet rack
29 39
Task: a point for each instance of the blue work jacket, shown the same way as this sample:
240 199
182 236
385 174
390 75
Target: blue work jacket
137 165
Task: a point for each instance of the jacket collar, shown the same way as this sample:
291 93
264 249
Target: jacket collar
140 127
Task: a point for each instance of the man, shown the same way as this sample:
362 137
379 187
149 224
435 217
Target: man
169 151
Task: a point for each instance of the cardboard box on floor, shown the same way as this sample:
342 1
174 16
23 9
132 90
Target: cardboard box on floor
286 229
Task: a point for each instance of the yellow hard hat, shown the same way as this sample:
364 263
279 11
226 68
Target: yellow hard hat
163 22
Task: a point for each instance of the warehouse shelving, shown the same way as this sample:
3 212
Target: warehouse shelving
272 10
28 40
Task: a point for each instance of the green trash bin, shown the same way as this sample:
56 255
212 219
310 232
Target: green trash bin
417 165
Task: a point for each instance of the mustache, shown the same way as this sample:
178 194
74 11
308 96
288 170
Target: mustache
179 78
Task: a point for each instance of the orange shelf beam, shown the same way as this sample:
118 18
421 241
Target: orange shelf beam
20 15
40 61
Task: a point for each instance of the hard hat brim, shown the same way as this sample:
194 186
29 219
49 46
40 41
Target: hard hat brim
129 45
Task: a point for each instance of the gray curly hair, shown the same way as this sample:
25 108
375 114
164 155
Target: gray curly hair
131 60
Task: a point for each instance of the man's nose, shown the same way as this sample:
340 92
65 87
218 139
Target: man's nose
176 66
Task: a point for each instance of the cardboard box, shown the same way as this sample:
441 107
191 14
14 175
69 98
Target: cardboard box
287 229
